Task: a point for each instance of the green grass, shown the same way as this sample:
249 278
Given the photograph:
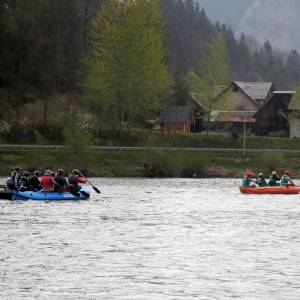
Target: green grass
150 138
152 163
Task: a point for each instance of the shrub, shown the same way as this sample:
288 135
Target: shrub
273 161
158 163
235 135
194 167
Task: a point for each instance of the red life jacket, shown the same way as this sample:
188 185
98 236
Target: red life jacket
47 184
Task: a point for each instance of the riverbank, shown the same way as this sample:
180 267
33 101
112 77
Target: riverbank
150 163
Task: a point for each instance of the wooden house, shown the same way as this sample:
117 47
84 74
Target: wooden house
176 118
257 103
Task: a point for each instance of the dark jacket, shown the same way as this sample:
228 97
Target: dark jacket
60 183
34 183
273 180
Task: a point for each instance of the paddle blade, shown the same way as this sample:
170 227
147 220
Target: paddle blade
96 189
85 194
75 194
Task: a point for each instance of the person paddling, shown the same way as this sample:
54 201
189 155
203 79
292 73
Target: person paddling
261 181
273 179
247 179
14 182
24 181
34 183
47 182
285 179
74 179
60 181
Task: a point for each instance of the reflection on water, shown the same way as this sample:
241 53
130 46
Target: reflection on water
152 239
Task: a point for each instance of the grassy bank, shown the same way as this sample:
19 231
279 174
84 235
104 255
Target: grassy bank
152 163
149 138
152 138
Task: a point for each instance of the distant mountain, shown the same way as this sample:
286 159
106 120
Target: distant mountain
275 20
226 11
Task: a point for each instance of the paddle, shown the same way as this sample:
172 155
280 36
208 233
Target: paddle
292 182
94 187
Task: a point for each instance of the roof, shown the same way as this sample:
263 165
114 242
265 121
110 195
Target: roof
255 90
285 92
175 114
197 98
218 89
234 116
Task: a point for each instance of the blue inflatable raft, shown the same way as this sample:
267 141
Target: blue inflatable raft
83 194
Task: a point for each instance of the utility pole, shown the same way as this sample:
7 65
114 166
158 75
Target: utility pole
244 138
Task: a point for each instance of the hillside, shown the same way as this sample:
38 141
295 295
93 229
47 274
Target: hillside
275 20
226 11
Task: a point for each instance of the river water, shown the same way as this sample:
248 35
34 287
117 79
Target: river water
152 239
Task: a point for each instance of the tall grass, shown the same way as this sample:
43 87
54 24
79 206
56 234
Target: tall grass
273 161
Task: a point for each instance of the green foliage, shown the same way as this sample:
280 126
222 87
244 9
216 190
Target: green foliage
125 64
273 161
39 139
194 166
213 70
295 102
77 140
42 43
294 105
158 164
151 163
214 67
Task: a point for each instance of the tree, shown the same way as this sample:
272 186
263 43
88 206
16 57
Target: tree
125 71
77 138
213 70
293 66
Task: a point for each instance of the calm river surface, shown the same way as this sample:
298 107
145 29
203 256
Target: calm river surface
152 239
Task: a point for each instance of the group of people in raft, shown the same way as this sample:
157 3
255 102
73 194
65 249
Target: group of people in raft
49 182
249 179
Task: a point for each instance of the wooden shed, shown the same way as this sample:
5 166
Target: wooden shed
176 118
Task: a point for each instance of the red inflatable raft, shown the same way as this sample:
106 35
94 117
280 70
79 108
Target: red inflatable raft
271 190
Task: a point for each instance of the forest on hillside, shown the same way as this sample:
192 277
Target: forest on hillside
47 46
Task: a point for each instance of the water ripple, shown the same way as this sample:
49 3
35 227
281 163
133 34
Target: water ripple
152 239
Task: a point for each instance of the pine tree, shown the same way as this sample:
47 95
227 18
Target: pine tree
293 67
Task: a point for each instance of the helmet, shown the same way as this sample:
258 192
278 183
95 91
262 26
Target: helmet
60 171
48 172
274 173
260 174
25 173
249 174
76 171
286 173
